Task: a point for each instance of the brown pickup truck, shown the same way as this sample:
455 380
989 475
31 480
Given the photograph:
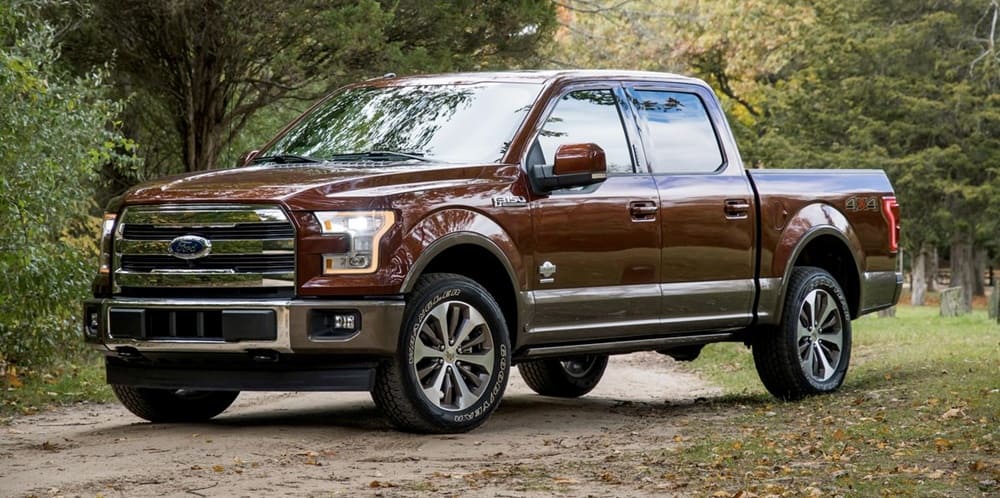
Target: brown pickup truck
416 237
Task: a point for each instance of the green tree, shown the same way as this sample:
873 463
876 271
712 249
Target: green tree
892 84
734 45
53 137
201 70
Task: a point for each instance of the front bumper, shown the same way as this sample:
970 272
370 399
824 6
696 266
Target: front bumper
279 326
242 345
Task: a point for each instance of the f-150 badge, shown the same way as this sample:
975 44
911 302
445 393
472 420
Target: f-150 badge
509 201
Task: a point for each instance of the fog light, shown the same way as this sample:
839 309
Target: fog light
92 322
333 324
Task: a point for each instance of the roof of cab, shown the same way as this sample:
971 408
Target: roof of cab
538 76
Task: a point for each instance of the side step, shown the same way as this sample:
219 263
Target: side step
624 346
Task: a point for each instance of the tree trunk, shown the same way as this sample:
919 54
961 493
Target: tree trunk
963 268
979 269
993 308
918 281
932 269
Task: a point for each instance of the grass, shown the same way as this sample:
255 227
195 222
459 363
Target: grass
919 415
24 392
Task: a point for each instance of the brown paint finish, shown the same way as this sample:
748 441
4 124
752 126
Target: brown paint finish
619 243
579 158
797 206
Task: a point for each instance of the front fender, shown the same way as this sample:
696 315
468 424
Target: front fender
453 227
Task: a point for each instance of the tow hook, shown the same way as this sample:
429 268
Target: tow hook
128 353
264 355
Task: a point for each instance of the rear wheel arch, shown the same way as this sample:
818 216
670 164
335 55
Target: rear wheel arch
828 247
830 251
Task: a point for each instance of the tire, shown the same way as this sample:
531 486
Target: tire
800 358
564 378
173 405
431 385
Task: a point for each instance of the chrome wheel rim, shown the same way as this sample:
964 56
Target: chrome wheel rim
453 356
820 334
579 367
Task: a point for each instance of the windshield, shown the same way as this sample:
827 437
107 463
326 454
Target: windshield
450 123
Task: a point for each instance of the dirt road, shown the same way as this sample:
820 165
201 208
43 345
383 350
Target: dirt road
336 444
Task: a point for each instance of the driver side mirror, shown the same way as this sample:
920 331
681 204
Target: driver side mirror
575 165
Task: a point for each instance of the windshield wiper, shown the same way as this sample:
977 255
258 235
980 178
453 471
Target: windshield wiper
285 159
379 155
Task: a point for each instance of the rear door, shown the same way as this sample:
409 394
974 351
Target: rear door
706 211
597 248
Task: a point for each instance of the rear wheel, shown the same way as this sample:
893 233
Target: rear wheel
174 405
810 350
451 367
564 378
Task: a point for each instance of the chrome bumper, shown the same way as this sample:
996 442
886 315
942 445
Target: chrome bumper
377 333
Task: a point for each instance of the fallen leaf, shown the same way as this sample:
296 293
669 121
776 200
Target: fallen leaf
12 379
952 413
838 435
977 466
218 468
381 484
942 444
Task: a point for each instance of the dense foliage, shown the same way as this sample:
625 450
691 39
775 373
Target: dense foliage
53 137
202 69
901 85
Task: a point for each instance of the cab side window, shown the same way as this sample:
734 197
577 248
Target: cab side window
585 116
678 132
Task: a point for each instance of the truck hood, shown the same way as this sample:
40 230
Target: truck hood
297 183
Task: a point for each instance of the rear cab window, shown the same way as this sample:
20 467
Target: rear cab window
679 135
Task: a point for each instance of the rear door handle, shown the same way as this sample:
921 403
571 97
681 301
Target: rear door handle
643 210
737 209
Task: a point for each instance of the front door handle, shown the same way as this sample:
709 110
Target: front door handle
737 209
643 210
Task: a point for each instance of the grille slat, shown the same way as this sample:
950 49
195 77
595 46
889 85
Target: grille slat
241 264
240 231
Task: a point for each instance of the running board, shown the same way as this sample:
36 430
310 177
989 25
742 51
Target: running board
626 346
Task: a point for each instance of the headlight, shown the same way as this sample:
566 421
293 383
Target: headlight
364 230
107 234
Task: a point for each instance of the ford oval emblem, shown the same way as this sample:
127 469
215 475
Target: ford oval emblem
189 247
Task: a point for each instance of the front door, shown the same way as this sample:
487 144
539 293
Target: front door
597 248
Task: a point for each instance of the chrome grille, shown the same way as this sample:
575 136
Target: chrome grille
252 246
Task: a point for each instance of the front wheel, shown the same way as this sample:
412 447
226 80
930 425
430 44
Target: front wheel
564 378
451 367
173 405
808 353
